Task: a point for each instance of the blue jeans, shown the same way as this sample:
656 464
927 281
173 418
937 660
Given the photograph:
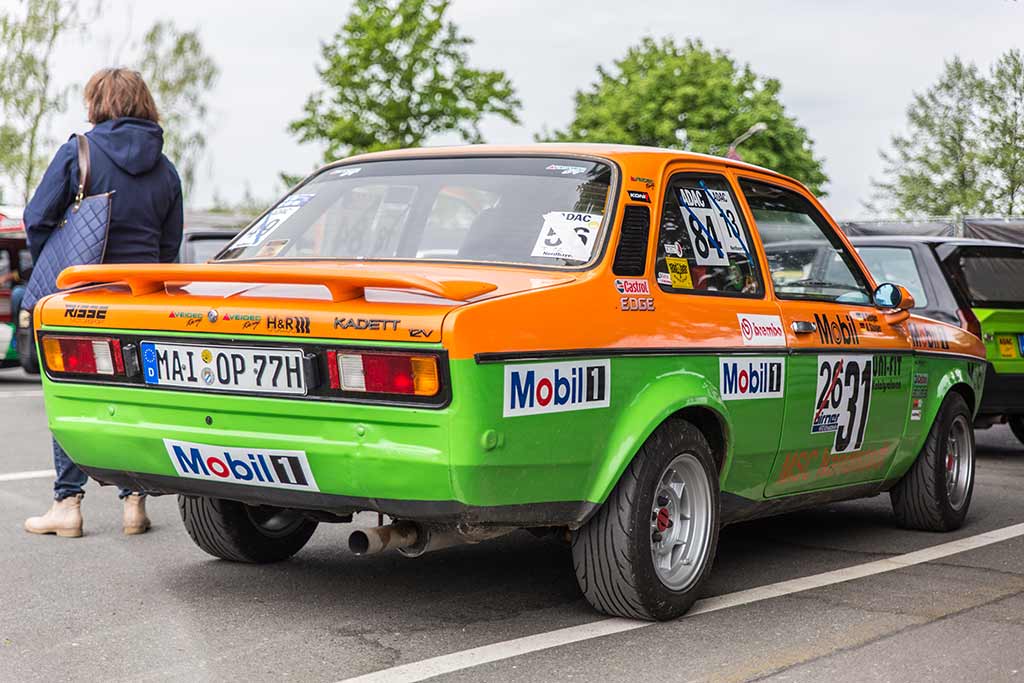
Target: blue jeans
17 294
70 479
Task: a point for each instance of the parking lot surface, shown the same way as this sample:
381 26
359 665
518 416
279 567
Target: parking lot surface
154 607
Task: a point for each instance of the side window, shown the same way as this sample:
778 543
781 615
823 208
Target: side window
895 264
806 258
703 243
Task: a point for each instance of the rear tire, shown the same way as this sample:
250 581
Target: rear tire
244 533
935 494
648 550
1016 423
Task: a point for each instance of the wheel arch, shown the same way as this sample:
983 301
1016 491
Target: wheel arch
685 396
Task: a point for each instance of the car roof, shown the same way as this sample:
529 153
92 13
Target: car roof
612 152
895 240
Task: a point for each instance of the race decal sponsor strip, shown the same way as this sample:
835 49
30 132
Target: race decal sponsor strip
273 220
843 400
568 235
536 388
761 330
711 225
744 378
271 468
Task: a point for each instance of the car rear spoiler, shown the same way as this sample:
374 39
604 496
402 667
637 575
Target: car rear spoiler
343 281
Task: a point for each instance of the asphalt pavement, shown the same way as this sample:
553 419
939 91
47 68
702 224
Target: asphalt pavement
155 607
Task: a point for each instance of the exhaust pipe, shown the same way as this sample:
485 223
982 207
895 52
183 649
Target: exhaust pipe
412 540
380 538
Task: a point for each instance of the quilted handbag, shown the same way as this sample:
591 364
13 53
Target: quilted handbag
79 239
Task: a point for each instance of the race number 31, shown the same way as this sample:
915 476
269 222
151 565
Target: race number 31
843 400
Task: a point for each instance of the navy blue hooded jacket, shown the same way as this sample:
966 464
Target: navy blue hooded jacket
146 209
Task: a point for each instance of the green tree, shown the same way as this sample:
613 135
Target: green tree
28 96
687 96
180 74
1002 131
395 74
938 167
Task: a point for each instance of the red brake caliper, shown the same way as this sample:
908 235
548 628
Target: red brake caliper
664 521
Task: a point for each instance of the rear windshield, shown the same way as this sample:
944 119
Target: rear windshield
990 277
526 210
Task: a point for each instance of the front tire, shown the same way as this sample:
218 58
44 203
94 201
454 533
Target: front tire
244 533
935 493
649 549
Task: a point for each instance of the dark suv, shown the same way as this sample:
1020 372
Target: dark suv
976 284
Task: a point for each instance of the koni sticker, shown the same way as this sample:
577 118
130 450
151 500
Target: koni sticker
538 388
761 330
746 378
843 400
679 272
639 196
568 235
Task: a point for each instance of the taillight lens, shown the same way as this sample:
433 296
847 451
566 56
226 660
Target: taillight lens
83 355
383 373
969 321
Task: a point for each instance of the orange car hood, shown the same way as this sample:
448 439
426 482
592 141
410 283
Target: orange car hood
393 301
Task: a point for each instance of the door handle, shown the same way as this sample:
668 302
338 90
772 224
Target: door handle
804 327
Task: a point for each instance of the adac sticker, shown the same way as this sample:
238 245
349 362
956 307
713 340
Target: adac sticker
761 330
745 378
679 272
536 388
843 400
568 235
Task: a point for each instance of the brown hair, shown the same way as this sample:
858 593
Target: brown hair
114 93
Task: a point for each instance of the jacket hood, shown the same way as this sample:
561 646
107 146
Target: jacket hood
134 145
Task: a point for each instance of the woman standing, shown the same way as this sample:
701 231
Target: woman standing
125 149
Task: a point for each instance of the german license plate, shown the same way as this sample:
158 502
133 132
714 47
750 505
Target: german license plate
220 368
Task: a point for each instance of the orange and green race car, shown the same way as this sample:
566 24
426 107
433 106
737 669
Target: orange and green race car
630 344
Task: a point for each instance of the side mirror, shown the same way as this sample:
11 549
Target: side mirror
894 298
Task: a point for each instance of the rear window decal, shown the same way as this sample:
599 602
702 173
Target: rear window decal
568 235
273 220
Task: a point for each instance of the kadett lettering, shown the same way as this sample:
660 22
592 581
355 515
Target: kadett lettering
365 324
752 378
556 387
252 467
836 330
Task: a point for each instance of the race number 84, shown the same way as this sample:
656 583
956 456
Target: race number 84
843 400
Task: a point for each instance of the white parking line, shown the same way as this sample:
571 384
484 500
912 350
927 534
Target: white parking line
28 393
466 659
31 474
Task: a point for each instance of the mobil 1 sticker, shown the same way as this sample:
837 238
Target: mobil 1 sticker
843 399
268 467
535 388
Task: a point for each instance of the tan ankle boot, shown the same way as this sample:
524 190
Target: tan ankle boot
135 519
64 518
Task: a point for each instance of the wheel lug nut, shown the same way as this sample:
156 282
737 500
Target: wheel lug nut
662 501
656 537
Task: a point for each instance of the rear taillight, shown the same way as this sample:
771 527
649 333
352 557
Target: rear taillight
969 321
383 373
83 355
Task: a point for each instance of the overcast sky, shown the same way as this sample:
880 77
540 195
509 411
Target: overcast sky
847 68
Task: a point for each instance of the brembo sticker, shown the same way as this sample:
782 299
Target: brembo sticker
536 388
761 330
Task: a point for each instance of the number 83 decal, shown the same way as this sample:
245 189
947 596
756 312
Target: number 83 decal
843 400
